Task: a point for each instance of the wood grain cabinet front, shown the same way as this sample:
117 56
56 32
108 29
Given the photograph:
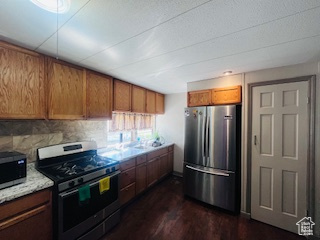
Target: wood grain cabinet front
67 91
138 99
122 96
127 193
159 103
22 88
141 178
150 102
28 218
152 171
199 98
99 95
227 95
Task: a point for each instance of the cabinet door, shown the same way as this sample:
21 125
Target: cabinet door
199 98
67 91
163 165
122 96
159 103
152 171
127 193
151 102
21 83
99 95
141 178
138 99
27 218
127 177
228 95
170 162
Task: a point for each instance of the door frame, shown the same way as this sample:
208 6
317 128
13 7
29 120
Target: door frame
311 79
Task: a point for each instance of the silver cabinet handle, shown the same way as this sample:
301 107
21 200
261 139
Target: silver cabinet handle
209 172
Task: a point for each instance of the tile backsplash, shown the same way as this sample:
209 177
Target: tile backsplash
27 136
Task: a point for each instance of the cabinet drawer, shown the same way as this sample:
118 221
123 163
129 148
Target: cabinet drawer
141 159
25 203
128 164
157 153
127 193
127 177
170 148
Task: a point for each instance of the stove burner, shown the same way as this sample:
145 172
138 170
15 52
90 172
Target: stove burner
79 165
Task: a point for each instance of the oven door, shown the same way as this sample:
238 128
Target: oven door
75 218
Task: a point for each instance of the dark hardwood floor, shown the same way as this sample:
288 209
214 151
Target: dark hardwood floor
164 213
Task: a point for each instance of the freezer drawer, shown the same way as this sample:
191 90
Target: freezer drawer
211 186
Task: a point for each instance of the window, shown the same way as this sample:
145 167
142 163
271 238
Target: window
131 126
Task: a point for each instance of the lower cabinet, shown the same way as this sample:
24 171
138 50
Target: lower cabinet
138 174
163 165
152 171
141 174
28 217
127 180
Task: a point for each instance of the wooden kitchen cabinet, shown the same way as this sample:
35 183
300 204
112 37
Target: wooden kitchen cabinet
99 95
227 95
152 171
22 84
27 218
122 96
127 180
150 102
141 178
163 165
67 91
159 103
127 193
199 98
170 159
138 99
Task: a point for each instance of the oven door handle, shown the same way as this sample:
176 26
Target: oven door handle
66 194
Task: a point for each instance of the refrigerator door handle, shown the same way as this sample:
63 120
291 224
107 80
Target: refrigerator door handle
204 124
212 172
207 141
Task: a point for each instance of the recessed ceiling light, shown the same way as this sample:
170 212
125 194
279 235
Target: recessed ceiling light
227 72
55 6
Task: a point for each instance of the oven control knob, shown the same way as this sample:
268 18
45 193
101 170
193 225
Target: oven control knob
80 180
108 170
71 183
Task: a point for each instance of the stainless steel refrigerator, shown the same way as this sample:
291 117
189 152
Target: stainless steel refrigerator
212 155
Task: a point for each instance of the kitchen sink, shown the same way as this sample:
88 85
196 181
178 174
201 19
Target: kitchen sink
141 147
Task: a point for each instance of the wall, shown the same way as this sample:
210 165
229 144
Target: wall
266 75
26 136
171 126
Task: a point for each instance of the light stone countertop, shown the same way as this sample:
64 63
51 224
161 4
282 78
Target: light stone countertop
35 181
130 152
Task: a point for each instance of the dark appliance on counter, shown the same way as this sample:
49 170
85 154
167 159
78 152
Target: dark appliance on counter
85 192
212 155
13 168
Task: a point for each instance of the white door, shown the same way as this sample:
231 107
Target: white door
280 140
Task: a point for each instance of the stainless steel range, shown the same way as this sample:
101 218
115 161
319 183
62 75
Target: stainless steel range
86 189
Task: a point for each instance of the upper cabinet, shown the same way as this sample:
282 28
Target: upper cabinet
22 93
227 95
199 98
215 96
99 95
138 99
66 91
150 102
159 103
122 96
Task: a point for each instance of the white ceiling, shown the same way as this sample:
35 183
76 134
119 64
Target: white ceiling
163 44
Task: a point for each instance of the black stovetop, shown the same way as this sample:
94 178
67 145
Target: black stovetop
76 167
